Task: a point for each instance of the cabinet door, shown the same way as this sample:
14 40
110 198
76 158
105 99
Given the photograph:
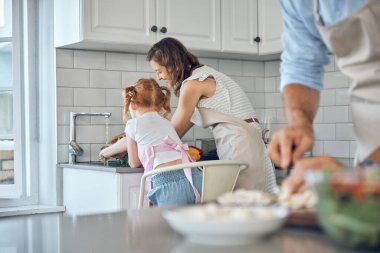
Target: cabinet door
195 23
119 21
239 26
270 26
130 190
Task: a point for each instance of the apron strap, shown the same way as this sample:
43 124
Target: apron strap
170 144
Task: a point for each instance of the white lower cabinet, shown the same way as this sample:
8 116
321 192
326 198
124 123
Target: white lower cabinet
95 191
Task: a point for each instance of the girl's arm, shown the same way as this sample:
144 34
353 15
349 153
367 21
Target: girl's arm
191 93
133 158
119 147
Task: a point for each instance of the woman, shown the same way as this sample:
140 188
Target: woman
209 98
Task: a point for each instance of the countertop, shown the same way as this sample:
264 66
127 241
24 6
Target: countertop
138 231
97 166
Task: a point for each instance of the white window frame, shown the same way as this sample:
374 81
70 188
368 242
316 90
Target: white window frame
24 190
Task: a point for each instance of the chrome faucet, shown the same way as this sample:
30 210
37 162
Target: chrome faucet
74 148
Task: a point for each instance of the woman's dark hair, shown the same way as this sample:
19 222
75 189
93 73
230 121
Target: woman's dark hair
174 56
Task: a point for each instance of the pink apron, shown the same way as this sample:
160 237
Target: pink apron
356 43
147 154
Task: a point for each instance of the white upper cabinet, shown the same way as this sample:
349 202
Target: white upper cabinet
270 26
239 24
128 24
196 23
251 26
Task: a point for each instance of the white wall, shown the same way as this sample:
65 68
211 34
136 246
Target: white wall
92 81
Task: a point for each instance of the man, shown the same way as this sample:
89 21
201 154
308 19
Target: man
350 30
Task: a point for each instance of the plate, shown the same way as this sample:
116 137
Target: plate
221 225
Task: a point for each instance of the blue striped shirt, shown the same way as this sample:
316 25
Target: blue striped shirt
304 52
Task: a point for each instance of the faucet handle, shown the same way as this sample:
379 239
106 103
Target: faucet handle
75 149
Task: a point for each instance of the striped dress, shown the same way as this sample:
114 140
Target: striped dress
230 99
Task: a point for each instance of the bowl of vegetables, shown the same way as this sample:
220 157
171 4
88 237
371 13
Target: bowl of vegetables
348 206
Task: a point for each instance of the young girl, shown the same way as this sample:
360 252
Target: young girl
152 142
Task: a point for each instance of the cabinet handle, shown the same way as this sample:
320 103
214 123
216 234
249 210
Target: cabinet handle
163 29
257 39
153 28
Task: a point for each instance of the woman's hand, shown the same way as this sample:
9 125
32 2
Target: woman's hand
296 182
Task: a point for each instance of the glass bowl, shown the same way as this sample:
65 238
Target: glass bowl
348 206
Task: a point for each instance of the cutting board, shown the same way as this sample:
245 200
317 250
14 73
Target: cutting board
304 218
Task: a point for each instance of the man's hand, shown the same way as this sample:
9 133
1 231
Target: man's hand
296 182
300 106
289 144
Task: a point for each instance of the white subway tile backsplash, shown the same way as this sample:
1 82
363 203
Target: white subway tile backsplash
257 99
231 67
317 148
270 84
335 114
114 97
73 77
91 134
63 114
319 117
89 97
247 83
65 58
272 68
353 148
337 148
253 68
89 59
63 133
130 78
260 84
324 131
273 100
65 96
115 119
63 153
342 97
105 79
280 115
213 63
120 61
327 97
142 64
345 132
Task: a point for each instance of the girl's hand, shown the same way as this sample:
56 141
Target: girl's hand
296 182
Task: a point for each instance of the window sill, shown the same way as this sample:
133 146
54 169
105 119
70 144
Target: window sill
26 210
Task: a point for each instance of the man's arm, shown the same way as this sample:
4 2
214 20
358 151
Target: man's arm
289 144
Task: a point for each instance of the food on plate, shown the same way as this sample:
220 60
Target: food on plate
304 200
246 197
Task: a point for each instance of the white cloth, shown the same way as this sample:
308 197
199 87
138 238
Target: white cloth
150 129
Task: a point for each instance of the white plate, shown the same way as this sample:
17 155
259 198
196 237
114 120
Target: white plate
220 225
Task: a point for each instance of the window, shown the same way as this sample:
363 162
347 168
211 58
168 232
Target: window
17 181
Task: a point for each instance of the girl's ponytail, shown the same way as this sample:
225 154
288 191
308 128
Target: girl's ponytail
166 101
129 95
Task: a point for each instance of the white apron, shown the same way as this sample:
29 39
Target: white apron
356 43
236 140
